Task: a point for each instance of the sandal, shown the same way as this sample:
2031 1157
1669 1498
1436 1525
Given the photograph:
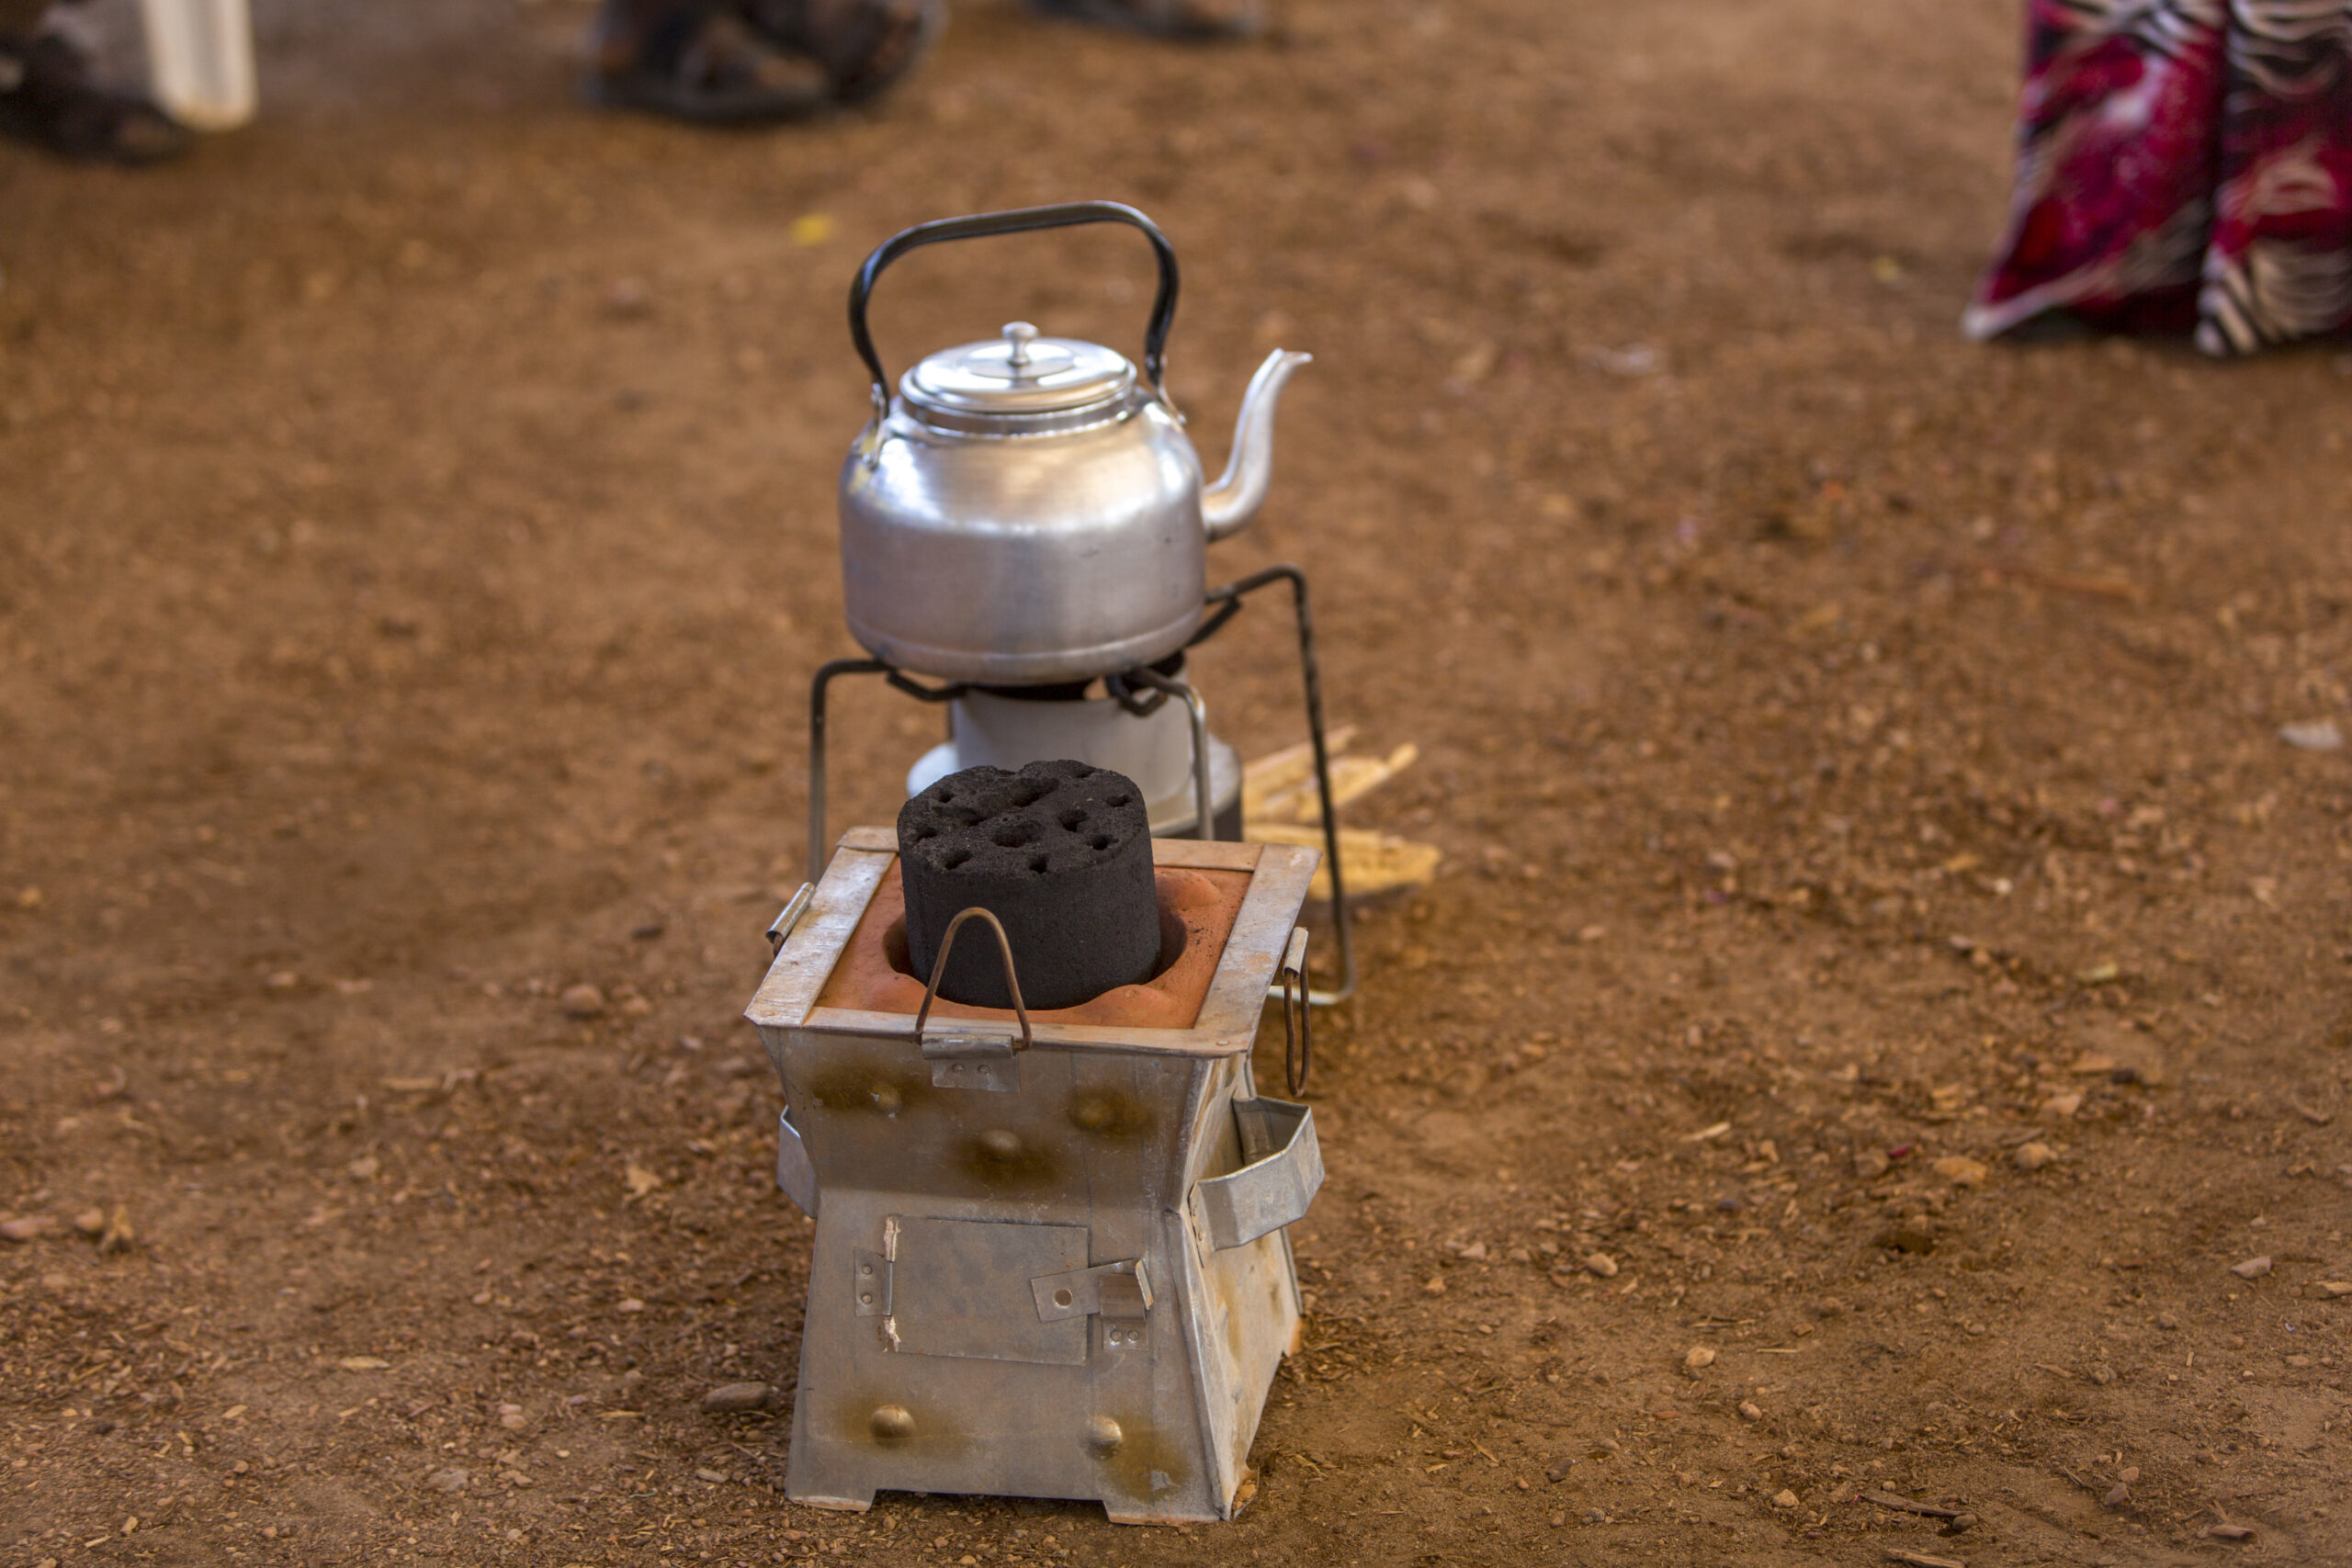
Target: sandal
865 47
1192 19
744 62
696 60
48 95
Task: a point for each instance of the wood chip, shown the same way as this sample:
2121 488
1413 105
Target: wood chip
2229 1532
1353 778
1288 767
1372 863
1896 1500
1921 1559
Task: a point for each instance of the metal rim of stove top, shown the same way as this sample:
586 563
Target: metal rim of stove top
1248 972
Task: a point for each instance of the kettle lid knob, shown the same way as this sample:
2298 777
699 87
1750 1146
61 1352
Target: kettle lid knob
1018 336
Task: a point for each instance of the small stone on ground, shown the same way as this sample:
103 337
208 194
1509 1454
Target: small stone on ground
734 1398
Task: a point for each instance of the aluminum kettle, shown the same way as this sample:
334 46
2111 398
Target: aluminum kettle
1028 510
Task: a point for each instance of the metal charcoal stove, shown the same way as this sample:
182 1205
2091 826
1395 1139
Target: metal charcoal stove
1050 1259
1025 523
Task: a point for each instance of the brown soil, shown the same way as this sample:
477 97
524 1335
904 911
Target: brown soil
415 539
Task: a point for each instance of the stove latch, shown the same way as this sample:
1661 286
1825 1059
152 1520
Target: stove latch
1116 1289
982 1061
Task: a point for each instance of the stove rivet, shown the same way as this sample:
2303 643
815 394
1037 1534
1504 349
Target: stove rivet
886 1099
1062 1297
891 1424
1000 1142
1102 1434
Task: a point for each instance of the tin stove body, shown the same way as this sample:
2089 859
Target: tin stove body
1050 1257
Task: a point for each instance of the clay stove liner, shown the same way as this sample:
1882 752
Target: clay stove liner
1205 902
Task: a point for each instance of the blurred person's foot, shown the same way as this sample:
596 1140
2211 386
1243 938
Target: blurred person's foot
746 62
865 47
1166 18
49 95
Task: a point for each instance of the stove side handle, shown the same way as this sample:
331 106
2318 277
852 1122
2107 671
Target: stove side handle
796 1174
1277 1186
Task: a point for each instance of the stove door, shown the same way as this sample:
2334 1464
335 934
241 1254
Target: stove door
964 1288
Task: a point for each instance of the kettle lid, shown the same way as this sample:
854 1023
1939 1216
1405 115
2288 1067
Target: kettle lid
1017 377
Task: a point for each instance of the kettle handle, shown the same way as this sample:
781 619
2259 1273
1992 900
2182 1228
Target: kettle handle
1019 221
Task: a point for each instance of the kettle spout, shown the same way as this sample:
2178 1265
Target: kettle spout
1231 504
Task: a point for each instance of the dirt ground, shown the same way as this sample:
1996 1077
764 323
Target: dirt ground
1858 756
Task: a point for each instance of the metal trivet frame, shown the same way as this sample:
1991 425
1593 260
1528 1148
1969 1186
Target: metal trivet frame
1226 602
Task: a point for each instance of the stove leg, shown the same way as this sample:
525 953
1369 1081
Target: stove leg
1230 600
1203 791
825 674
1342 922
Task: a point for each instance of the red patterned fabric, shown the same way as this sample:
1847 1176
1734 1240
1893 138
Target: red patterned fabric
2182 162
